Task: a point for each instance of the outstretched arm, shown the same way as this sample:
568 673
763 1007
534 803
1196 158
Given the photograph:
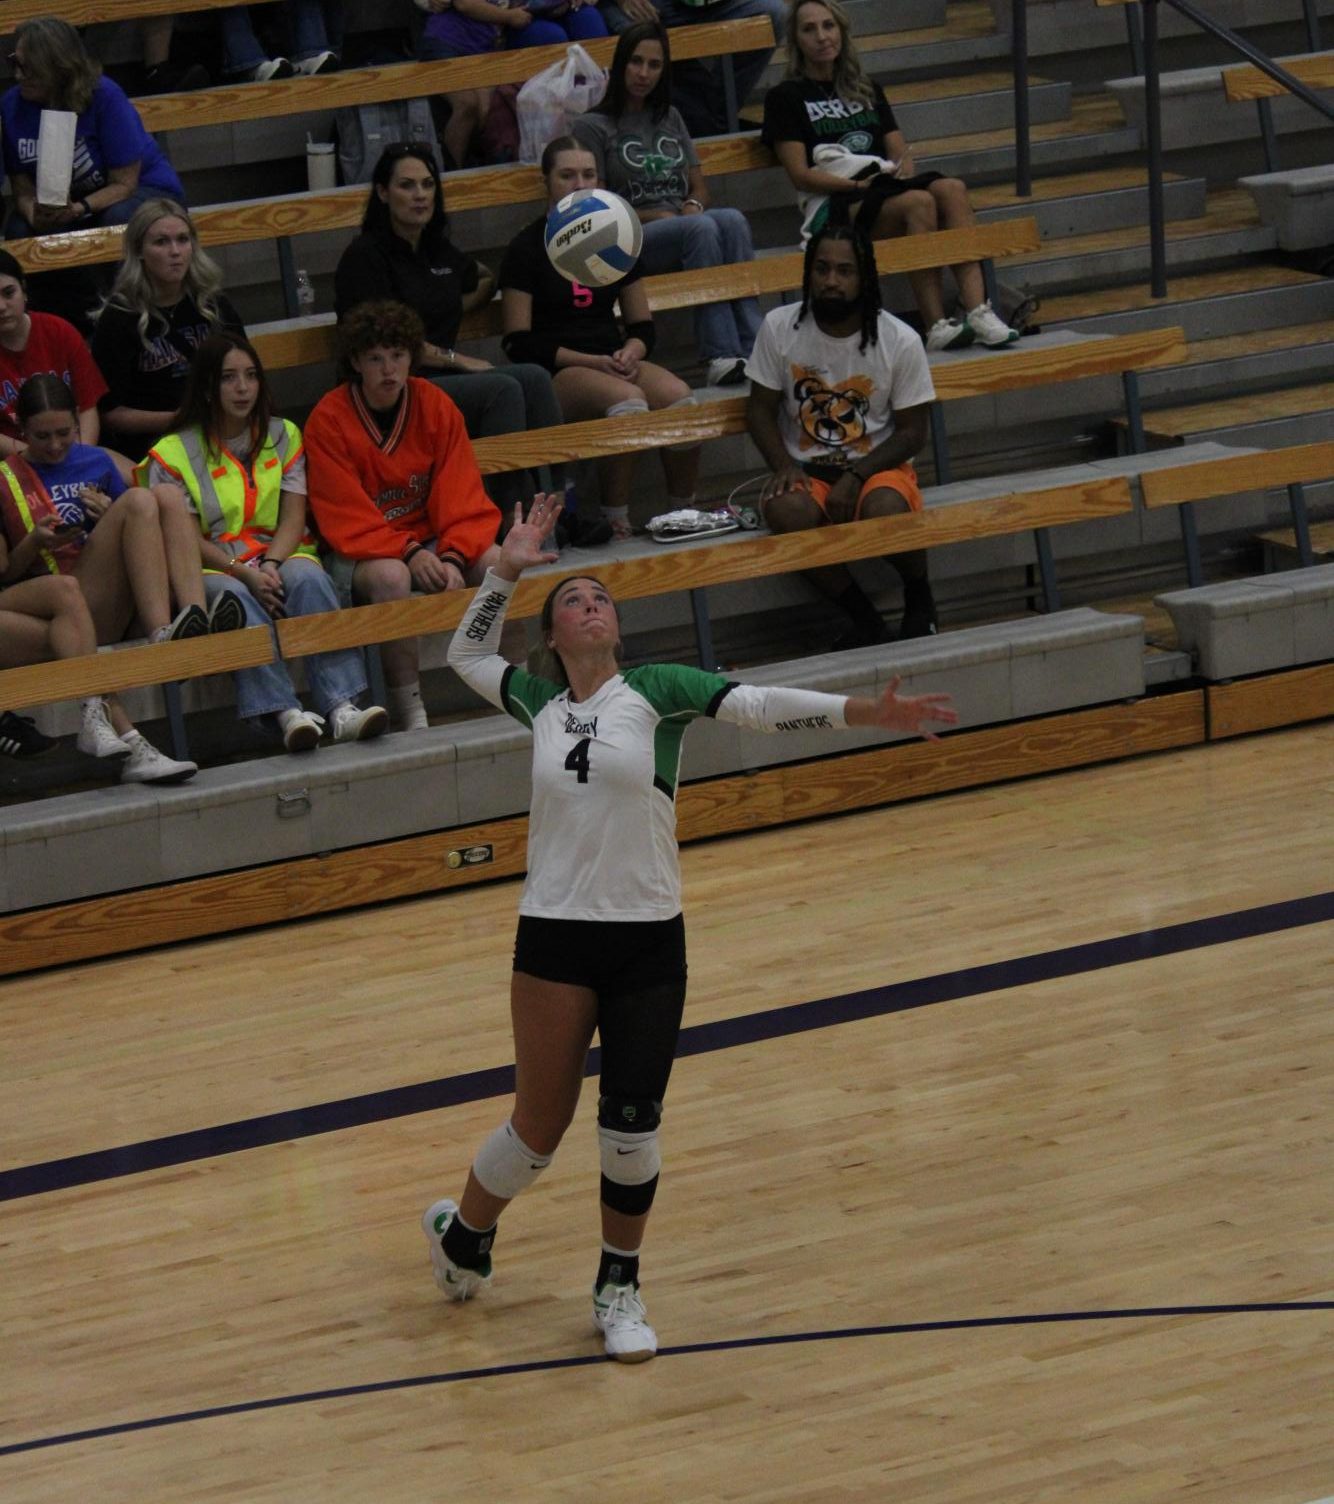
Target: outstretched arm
895 712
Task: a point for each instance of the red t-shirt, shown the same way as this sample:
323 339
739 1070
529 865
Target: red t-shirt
54 347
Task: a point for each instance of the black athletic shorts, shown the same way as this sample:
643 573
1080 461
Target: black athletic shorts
610 956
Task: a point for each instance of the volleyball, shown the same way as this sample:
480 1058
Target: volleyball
593 237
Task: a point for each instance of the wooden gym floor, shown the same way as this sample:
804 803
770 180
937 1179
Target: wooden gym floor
997 1168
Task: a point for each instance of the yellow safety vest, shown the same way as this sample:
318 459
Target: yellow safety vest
21 487
237 504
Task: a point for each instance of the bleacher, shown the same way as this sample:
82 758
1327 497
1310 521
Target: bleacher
1086 492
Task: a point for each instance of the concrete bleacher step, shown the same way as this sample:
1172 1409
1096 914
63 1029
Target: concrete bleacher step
279 808
1256 359
1228 229
1196 112
1056 26
1256 625
1206 304
1299 204
962 103
1270 420
1085 203
1094 130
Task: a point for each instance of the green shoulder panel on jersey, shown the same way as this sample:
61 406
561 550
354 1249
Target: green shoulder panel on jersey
674 690
679 695
523 694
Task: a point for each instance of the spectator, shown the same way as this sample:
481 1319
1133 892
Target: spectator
66 513
467 28
599 372
117 164
243 471
159 75
644 152
839 404
165 301
315 39
31 343
827 123
394 487
699 85
404 253
47 617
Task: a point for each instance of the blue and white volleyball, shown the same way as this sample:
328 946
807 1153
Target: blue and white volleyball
593 237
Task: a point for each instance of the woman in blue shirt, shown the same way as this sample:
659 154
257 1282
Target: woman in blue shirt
117 164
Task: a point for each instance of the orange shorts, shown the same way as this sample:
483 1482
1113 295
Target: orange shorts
903 480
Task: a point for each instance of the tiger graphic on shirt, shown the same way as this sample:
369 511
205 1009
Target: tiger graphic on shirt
832 417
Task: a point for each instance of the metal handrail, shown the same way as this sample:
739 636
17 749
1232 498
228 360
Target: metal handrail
1153 107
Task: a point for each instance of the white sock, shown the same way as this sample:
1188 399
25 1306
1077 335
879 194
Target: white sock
630 405
617 514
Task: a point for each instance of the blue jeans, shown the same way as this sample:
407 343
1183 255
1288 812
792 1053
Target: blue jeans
334 677
580 25
313 26
747 65
717 237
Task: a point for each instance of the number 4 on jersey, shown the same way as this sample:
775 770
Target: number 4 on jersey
577 760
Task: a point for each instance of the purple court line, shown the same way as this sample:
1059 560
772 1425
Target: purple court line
698 1039
689 1349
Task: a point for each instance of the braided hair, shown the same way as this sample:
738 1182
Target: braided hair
837 227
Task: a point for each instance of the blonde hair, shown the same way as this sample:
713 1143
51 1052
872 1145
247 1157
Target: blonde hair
850 82
132 292
54 54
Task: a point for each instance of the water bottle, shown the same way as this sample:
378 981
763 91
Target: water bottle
305 293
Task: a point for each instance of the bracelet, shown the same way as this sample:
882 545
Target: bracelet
694 201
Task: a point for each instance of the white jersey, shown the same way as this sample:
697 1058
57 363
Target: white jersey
602 822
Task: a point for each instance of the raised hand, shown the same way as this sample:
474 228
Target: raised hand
522 547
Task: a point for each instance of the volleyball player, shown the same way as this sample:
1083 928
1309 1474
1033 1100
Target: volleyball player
600 944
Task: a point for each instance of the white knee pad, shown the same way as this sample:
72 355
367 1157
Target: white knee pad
629 1158
630 405
505 1165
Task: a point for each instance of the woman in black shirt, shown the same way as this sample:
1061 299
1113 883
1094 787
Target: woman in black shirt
404 252
598 370
825 116
166 300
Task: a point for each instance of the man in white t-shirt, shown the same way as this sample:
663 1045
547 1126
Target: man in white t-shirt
839 404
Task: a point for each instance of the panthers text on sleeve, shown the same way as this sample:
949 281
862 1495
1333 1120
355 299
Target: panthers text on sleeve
602 821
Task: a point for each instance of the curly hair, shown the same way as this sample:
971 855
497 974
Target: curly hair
382 322
850 81
54 56
132 292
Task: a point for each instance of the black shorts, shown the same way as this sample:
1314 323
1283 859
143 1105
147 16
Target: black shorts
610 956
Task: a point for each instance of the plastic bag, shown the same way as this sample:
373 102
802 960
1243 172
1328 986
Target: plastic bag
550 99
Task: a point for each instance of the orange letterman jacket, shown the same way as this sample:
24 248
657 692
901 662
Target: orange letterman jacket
381 496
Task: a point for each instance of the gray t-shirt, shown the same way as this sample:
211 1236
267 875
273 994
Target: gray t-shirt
646 161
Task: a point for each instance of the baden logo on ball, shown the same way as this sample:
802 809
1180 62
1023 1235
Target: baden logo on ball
593 237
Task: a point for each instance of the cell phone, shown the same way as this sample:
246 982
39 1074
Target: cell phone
67 530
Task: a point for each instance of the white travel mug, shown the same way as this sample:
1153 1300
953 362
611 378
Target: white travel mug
321 169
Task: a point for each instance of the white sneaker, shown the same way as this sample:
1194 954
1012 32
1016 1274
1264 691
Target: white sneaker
990 329
301 729
97 737
727 370
189 621
146 764
348 724
949 334
270 68
322 62
618 1313
456 1282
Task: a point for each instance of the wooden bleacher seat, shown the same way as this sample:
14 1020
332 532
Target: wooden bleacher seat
286 343
296 96
1247 82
